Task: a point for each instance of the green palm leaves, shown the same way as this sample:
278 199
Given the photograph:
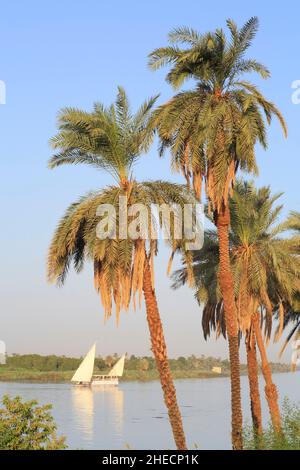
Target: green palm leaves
211 130
107 138
265 267
110 139
118 263
208 56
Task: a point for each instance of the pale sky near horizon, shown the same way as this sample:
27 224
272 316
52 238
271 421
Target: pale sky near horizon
72 53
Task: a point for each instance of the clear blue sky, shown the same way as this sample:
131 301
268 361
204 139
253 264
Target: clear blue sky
72 53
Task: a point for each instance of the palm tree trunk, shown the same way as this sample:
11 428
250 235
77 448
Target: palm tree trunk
254 386
270 388
222 220
160 353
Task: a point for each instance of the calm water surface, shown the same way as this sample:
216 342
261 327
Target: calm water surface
134 414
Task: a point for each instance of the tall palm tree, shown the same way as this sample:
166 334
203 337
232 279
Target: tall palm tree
292 316
266 277
211 132
112 139
255 403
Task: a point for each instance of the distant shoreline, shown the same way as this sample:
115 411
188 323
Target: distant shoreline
33 376
36 368
65 376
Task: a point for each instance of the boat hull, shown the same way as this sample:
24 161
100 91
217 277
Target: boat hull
82 384
99 380
104 380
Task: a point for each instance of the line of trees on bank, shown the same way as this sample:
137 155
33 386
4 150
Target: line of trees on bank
137 363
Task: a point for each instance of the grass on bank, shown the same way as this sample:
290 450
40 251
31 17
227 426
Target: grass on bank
8 374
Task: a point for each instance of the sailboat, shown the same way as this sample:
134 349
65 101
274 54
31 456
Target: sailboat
84 374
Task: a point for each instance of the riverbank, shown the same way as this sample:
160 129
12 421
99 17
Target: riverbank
35 376
36 368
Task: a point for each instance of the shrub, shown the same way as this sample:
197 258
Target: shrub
26 426
288 440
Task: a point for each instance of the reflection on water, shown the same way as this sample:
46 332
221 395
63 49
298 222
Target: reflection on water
87 400
134 412
83 405
116 405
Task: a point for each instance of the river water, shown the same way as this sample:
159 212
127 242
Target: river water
133 415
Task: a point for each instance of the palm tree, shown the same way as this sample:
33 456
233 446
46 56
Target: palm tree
266 277
112 139
293 309
211 132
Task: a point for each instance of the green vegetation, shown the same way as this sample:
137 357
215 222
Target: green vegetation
26 426
289 439
57 369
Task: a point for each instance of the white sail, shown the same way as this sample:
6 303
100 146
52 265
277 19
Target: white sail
118 368
85 370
